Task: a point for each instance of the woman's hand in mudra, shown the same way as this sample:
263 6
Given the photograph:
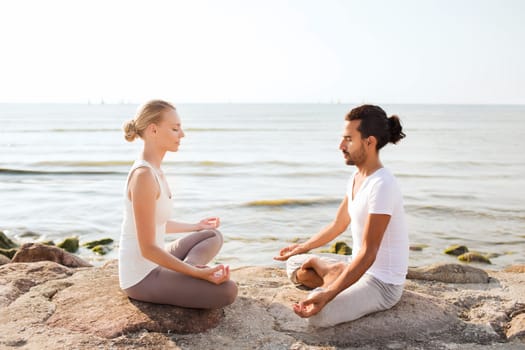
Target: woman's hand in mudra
216 274
208 223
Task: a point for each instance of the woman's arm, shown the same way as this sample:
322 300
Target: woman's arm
205 224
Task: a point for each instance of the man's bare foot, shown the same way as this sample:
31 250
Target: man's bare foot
333 271
320 266
326 272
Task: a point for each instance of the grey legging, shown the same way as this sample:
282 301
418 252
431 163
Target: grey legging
165 286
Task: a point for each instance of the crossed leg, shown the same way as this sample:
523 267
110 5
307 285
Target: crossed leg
165 286
197 248
315 272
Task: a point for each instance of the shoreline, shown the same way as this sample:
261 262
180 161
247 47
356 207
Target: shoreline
100 251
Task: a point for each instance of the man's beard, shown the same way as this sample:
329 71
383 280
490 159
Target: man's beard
358 158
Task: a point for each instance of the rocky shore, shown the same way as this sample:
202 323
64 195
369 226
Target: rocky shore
50 299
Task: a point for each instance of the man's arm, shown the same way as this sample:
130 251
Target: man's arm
327 234
373 234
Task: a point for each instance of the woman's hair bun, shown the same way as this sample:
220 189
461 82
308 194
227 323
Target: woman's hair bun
130 130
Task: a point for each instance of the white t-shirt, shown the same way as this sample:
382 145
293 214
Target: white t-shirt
380 194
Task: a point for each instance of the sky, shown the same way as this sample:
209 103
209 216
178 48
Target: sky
267 51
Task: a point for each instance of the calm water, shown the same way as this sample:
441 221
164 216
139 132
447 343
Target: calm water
273 173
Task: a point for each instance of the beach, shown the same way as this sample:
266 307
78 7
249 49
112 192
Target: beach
272 172
59 305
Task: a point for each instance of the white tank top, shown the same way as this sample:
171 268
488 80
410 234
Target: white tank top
133 267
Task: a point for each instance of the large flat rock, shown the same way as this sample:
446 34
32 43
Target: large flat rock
95 304
46 305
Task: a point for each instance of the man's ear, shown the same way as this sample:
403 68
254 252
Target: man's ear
372 140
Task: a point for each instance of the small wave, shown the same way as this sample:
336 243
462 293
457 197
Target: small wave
65 130
451 211
432 176
211 163
197 163
445 210
454 196
290 202
85 163
44 172
225 130
85 130
449 176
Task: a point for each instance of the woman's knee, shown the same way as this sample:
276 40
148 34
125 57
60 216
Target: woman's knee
228 293
214 233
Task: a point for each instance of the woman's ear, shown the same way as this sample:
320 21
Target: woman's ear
152 128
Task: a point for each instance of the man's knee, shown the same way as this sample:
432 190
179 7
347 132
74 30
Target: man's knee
319 321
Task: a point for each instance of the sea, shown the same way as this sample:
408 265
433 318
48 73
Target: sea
273 173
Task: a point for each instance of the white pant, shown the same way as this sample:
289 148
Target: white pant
367 295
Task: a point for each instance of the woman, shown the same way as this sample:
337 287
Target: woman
178 274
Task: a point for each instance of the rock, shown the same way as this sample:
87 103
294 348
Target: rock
95 304
516 327
337 248
69 244
456 250
4 260
515 269
84 309
8 253
48 242
474 257
5 242
30 234
93 244
31 252
18 278
418 247
340 248
100 249
448 273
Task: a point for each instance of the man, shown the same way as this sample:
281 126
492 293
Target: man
373 279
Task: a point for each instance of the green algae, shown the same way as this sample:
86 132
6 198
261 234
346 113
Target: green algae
69 244
93 244
456 250
474 257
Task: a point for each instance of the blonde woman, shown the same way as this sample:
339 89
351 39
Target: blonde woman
176 274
